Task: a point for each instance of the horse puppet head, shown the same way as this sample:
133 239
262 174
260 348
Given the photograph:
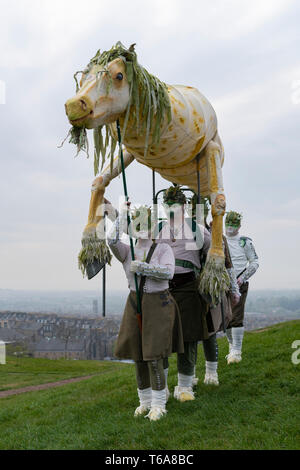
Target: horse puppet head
114 86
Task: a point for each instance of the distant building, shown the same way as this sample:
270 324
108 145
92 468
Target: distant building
56 348
52 336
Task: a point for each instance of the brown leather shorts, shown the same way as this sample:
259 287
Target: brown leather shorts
181 279
238 311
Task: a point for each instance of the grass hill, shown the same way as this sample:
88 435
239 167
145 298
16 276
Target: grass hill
255 407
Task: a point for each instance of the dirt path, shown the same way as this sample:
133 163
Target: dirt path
33 388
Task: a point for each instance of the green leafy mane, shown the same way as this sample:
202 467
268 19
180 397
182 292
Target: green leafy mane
148 97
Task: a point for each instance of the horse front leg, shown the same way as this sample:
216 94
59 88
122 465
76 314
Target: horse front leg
214 279
94 246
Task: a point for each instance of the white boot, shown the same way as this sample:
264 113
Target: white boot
184 390
145 397
158 405
211 374
235 355
195 379
229 338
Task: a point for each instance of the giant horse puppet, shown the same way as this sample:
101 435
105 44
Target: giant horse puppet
169 128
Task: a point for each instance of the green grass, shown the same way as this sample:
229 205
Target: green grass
22 372
256 405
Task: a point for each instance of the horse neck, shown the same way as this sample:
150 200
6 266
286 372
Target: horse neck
132 137
135 140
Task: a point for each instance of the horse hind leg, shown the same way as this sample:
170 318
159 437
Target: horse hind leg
214 279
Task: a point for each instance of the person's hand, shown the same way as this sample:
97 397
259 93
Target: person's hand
125 204
124 207
240 281
235 298
134 266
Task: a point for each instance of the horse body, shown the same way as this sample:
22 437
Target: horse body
192 127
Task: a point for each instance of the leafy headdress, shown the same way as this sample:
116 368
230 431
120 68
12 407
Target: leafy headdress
174 195
233 219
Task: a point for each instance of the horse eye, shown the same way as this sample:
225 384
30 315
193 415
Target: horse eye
119 76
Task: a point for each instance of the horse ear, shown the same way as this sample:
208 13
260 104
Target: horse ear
131 48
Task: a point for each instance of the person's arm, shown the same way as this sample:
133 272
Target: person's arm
253 262
162 270
234 287
228 260
118 248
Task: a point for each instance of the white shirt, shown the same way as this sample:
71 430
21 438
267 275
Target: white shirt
243 257
184 247
162 257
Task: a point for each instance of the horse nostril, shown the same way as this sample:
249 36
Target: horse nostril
83 105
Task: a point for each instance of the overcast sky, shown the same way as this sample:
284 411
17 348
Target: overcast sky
244 56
